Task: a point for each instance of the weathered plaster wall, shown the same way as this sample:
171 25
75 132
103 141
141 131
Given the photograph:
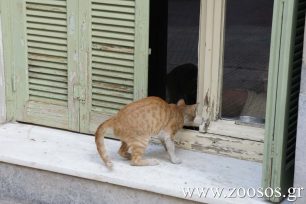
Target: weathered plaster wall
300 160
2 87
34 186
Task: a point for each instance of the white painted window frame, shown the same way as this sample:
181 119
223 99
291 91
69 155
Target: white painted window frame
210 77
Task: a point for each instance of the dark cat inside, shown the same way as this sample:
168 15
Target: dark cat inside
182 83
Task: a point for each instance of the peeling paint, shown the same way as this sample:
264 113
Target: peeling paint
113 48
115 87
206 99
222 145
22 42
75 56
71 25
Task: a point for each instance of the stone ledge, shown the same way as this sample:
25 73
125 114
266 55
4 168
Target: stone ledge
75 155
23 185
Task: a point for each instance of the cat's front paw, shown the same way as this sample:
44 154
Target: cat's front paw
176 160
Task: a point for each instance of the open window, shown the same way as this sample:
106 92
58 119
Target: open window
187 61
235 44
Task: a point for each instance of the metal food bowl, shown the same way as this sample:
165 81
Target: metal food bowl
251 121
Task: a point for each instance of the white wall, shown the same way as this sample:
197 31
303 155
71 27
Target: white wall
2 84
300 160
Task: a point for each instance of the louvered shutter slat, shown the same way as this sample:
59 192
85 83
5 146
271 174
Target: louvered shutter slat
112 28
53 34
116 87
113 80
49 2
113 61
45 14
47 39
48 83
111 67
111 74
115 22
113 15
50 27
108 34
38 62
47 46
48 52
48 71
106 7
114 93
43 7
117 55
114 41
117 3
111 105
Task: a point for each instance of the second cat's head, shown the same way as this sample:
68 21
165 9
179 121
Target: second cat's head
189 111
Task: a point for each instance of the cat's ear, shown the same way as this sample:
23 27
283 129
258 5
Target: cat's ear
181 102
194 108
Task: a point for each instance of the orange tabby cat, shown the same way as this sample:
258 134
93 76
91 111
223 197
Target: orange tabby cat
137 122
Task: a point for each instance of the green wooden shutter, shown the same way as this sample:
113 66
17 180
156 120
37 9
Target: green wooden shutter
74 63
283 91
117 57
44 41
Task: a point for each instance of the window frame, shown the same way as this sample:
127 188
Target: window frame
210 77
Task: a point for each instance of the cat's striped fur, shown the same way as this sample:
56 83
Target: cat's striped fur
137 122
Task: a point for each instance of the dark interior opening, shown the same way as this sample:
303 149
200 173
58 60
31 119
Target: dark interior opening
158 46
174 34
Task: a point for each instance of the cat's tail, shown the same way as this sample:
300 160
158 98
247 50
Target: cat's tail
100 141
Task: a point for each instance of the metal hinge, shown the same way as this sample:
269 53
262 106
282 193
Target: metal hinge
79 93
150 51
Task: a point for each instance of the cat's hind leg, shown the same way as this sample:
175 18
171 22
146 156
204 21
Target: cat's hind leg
170 147
137 153
123 151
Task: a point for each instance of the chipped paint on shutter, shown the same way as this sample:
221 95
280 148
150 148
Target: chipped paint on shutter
118 67
113 42
44 63
47 51
75 63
